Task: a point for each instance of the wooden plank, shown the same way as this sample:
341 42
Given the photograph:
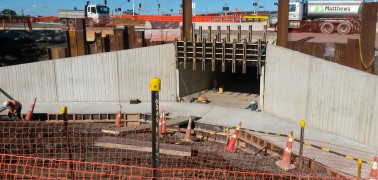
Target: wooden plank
132 119
239 33
234 56
200 34
219 34
128 130
203 55
142 146
228 34
185 53
213 57
250 34
259 56
209 33
265 33
224 56
244 71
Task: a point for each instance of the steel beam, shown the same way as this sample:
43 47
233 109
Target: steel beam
187 19
367 37
283 22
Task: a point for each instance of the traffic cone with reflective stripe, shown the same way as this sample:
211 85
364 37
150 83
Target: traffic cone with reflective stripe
231 144
286 159
373 172
188 134
163 128
118 118
29 115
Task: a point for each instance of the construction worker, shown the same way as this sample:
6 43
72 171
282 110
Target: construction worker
14 108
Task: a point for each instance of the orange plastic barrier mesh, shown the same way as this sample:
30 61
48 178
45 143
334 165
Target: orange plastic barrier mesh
46 150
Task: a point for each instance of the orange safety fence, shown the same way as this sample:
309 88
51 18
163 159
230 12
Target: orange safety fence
27 167
180 18
53 150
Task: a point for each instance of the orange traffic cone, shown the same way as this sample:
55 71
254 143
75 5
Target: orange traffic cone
188 134
163 128
29 115
373 172
231 144
3 25
118 118
285 162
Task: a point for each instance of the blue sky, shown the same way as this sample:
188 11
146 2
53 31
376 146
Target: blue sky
50 7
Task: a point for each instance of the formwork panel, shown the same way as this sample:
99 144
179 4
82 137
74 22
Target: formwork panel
137 66
88 78
26 81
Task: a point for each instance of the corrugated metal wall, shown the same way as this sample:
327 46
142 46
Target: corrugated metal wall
115 76
328 96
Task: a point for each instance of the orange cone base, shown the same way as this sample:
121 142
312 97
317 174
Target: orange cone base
285 167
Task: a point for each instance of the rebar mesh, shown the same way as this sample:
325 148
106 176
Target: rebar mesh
102 151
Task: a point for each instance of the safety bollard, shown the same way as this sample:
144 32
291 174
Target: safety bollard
155 88
359 168
302 124
63 111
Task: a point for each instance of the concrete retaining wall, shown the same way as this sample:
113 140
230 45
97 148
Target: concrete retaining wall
329 96
114 76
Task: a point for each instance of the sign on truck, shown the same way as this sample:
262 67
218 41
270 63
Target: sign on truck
324 16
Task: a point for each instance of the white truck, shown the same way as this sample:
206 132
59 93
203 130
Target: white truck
93 15
323 16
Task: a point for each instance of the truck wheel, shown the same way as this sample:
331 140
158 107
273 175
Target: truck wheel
344 28
64 22
71 23
327 28
91 23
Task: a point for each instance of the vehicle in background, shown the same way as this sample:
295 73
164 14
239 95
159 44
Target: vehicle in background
94 15
323 16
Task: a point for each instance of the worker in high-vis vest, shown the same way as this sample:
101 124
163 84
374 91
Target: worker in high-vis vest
14 108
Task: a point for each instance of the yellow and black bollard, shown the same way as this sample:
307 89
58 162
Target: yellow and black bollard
155 88
359 168
302 124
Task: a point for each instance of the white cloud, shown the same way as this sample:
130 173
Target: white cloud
39 6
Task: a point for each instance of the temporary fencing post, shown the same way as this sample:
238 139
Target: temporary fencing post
302 124
155 88
29 115
231 144
373 172
285 163
359 168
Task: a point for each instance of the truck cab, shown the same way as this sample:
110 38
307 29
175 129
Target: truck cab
97 14
296 10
